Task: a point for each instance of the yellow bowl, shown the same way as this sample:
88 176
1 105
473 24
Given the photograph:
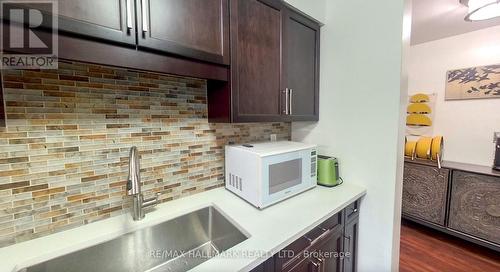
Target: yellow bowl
437 147
410 148
423 148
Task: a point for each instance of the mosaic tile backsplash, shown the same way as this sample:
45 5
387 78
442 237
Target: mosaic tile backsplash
64 152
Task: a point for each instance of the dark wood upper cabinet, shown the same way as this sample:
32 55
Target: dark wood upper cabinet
189 28
301 66
264 54
274 65
256 60
111 20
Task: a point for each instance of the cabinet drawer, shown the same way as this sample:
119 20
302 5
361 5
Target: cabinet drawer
290 256
352 210
424 192
332 222
475 205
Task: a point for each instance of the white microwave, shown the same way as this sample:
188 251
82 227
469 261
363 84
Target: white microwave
266 173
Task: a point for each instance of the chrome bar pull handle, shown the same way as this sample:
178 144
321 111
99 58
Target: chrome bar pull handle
287 96
129 14
290 101
319 264
144 7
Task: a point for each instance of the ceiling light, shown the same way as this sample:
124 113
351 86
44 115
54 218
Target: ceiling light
481 9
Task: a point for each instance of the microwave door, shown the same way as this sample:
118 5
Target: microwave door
284 175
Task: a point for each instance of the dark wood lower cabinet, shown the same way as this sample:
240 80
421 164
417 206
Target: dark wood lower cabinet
322 256
329 247
351 231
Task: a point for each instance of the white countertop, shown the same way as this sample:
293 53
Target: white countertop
270 229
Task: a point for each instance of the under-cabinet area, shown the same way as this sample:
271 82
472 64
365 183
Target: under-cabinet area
261 57
459 199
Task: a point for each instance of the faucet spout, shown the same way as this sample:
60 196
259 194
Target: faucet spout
134 187
134 175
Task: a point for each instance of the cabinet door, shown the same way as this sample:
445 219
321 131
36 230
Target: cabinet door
351 244
267 266
326 256
301 66
112 20
305 265
190 28
475 205
256 60
424 192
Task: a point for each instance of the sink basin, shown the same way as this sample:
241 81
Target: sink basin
176 245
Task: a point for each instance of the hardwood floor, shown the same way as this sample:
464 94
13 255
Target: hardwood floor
424 249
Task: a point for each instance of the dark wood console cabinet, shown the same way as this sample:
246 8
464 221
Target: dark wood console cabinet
460 199
424 192
331 246
475 205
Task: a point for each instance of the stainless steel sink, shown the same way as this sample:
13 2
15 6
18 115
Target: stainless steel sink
176 245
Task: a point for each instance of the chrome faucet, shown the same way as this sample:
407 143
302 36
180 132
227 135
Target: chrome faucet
134 187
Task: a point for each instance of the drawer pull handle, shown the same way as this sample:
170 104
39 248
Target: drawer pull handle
354 210
493 210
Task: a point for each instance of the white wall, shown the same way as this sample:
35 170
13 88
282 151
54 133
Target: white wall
467 125
313 8
361 119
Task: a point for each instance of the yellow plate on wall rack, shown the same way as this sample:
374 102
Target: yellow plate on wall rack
419 108
418 120
419 98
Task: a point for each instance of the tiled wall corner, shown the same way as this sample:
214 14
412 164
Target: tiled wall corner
64 152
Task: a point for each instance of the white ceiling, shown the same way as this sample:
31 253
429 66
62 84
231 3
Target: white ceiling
437 19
